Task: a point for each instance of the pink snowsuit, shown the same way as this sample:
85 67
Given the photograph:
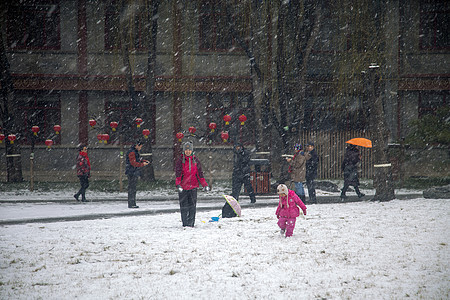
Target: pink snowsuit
288 211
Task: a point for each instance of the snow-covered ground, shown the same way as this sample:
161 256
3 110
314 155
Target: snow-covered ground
364 250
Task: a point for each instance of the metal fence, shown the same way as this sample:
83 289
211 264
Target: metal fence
330 147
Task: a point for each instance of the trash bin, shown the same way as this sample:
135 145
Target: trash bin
260 175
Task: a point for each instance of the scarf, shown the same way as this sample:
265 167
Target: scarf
85 156
290 166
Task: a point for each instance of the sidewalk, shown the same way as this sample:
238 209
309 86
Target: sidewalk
62 208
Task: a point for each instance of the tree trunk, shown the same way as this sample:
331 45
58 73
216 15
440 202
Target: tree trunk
8 113
382 181
148 173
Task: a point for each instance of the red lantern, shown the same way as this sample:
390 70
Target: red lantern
2 137
100 137
212 126
57 128
227 119
35 129
12 138
242 118
105 137
138 122
146 133
92 122
48 143
180 136
192 130
224 135
113 125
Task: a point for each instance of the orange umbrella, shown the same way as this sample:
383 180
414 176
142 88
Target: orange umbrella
360 142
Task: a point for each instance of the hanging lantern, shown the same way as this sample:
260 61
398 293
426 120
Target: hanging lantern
100 138
242 118
57 128
212 126
227 119
2 137
146 133
92 122
48 143
12 138
224 135
192 130
105 138
35 130
180 136
138 122
114 125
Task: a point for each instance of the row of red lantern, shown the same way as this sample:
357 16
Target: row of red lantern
35 129
224 135
13 137
114 124
104 137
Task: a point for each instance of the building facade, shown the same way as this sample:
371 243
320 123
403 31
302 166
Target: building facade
68 67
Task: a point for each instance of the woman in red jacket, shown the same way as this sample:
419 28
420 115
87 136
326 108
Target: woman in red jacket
83 172
188 172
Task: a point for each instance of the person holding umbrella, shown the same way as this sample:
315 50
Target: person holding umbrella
352 158
188 173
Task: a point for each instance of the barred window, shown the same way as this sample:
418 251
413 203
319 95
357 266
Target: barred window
33 25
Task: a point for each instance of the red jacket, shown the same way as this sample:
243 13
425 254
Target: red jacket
188 172
83 165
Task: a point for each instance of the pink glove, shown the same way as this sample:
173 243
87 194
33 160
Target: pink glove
304 211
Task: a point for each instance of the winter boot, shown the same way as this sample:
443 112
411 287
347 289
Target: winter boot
358 192
76 197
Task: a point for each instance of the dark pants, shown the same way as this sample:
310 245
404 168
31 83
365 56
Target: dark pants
132 183
188 206
311 189
236 185
84 182
346 185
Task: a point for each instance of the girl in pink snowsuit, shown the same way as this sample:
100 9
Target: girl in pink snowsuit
287 210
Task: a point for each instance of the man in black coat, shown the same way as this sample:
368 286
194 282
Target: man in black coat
352 158
241 175
311 171
132 170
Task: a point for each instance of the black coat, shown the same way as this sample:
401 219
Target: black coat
311 165
350 166
241 162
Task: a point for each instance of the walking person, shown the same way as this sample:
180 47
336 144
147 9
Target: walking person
288 209
241 172
133 164
352 158
83 172
188 173
297 170
311 171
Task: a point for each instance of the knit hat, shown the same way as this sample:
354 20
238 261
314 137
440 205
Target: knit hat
298 147
310 144
282 189
188 146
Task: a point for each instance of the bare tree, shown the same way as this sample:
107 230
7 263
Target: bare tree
9 110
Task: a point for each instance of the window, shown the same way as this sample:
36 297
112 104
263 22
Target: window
233 104
434 24
429 102
33 25
43 110
127 132
215 34
138 26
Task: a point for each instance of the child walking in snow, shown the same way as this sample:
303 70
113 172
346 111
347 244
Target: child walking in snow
287 210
